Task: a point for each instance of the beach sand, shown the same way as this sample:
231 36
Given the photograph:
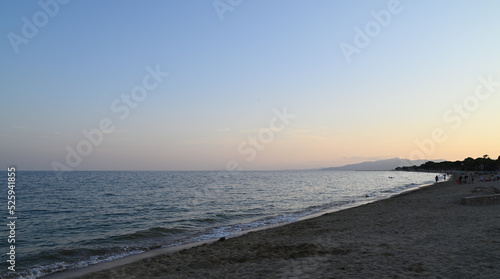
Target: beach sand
425 233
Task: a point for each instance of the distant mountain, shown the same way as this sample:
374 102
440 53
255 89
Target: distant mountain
381 165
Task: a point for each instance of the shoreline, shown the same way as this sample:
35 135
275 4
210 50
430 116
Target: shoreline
141 263
425 233
76 273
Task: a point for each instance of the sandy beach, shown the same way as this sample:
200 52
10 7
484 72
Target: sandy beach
425 233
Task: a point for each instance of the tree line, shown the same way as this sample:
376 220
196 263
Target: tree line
484 163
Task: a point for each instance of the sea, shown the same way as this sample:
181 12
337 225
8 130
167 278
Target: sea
88 217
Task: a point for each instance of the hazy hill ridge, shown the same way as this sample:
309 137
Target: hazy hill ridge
381 165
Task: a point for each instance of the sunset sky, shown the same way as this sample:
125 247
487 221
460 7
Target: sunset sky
251 85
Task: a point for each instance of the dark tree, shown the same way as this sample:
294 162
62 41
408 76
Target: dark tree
484 163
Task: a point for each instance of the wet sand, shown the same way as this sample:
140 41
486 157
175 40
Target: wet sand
425 233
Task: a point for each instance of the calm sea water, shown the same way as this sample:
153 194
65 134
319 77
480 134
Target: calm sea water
92 217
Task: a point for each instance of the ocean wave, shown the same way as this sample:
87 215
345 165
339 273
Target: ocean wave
44 270
147 234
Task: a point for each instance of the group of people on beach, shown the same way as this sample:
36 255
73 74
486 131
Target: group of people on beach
482 178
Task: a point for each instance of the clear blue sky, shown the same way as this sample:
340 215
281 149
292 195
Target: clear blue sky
230 70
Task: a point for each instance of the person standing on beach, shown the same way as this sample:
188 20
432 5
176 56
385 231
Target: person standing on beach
437 178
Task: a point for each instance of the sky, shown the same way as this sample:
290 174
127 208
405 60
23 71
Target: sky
246 85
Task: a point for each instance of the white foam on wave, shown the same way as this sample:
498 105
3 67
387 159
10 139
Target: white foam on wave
225 231
39 271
